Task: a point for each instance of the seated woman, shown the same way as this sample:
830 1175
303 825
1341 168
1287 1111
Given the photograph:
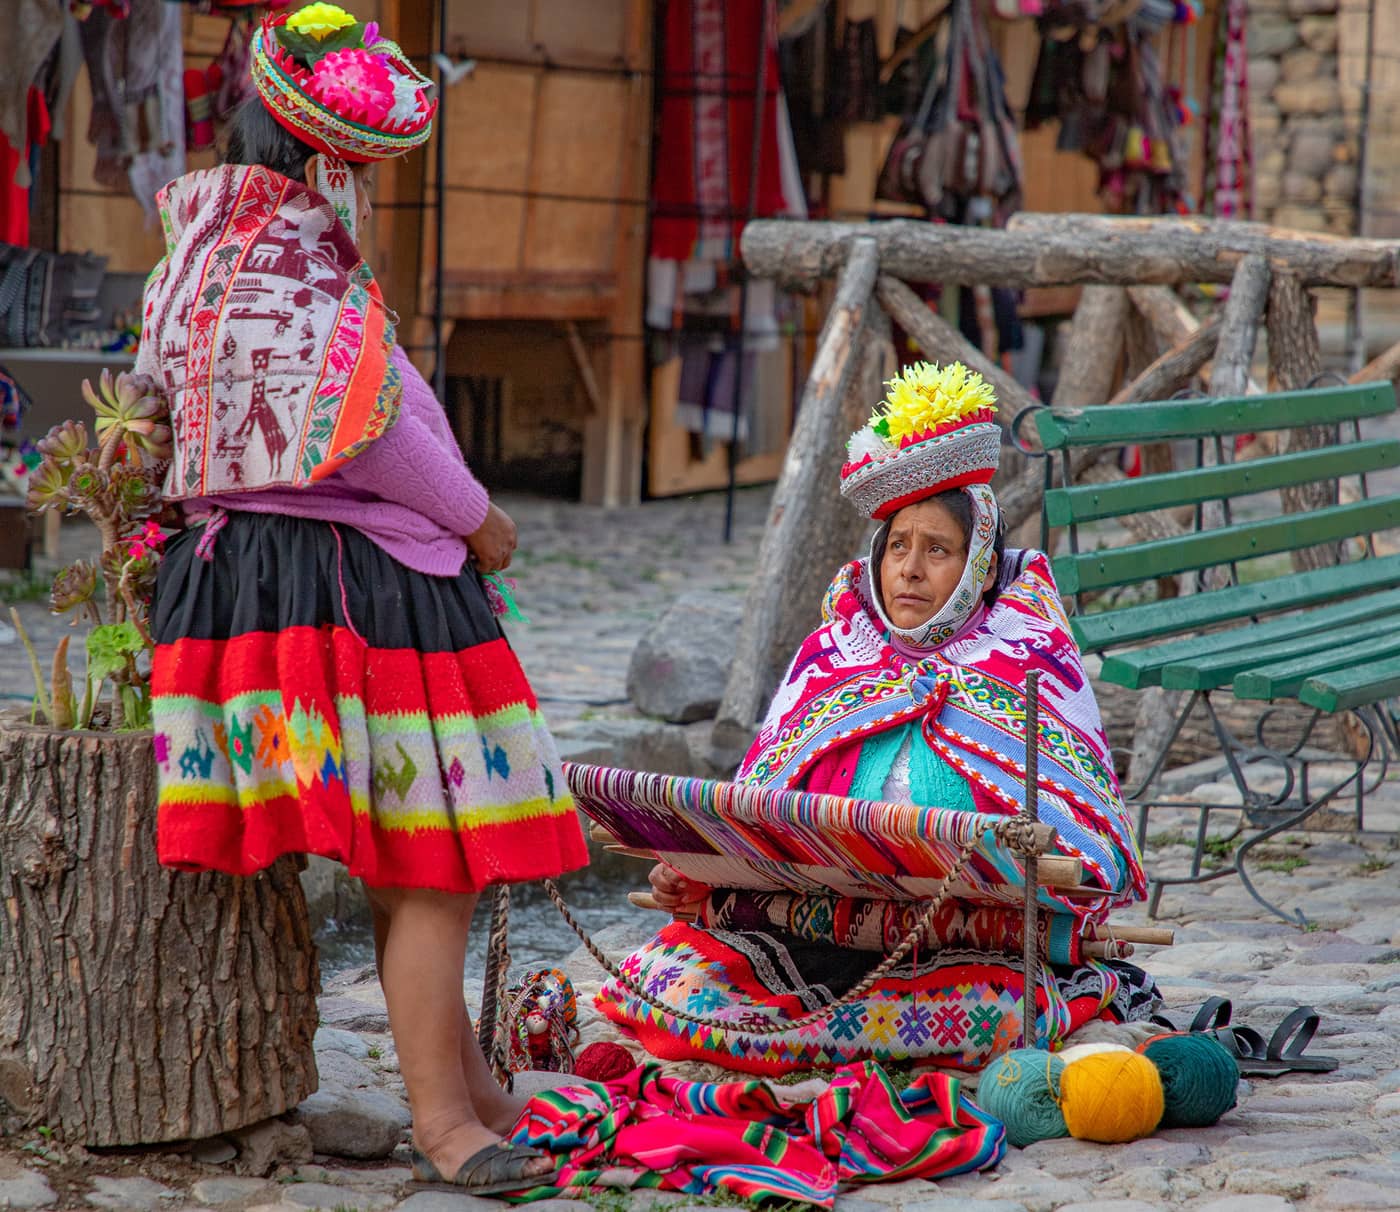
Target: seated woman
911 692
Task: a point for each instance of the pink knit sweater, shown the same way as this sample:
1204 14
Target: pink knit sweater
410 491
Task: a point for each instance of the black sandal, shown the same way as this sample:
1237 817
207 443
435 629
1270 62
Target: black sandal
495 1170
1214 1015
1286 1048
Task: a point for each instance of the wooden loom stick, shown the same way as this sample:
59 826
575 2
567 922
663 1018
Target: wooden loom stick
1116 948
1030 934
1045 837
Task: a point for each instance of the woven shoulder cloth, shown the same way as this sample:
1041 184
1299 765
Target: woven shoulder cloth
267 332
729 835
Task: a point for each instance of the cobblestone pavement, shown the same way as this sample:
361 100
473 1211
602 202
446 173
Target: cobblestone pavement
590 580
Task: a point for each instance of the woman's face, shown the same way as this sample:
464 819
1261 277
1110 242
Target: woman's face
925 553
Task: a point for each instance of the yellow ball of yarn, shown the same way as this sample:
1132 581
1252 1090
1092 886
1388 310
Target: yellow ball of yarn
1076 1052
1111 1097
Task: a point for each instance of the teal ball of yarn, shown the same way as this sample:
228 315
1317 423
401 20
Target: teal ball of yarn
1022 1089
1199 1078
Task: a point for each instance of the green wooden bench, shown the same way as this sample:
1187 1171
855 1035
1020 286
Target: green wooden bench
1326 639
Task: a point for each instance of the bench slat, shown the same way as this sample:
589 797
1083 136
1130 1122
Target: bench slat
1091 502
1164 557
1344 689
1145 666
1283 679
1115 424
1133 624
1211 671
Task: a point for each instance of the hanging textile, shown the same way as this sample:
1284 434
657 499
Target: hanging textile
15 198
1228 160
32 29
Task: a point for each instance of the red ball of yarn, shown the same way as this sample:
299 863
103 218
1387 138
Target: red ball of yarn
603 1061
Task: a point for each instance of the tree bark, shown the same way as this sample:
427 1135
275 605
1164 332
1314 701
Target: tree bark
810 530
138 1004
1166 376
1294 362
1063 250
1095 348
1386 366
1163 309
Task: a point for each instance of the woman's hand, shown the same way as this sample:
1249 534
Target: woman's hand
493 542
672 891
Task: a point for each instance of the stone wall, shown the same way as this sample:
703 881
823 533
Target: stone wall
1304 120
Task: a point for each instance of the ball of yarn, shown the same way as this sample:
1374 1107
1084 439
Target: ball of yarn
1080 1051
1199 1078
1111 1097
1021 1088
602 1061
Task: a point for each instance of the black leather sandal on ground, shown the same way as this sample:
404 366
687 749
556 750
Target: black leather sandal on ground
1285 1050
494 1170
1213 1015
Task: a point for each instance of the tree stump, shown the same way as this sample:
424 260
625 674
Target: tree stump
137 1004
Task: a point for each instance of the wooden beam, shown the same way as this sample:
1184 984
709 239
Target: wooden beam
584 367
801 546
1386 366
1239 327
1060 250
1096 341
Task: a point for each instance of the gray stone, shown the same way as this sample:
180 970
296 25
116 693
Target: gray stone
333 1039
681 663
265 1146
1111 1205
353 1123
626 741
26 1190
1251 1181
1268 36
963 1205
1388 1104
332 895
1319 96
216 1191
1310 152
341 1069
1263 75
1247 1203
1349 1193
216 1151
448 1201
1390 1083
1304 8
1070 1158
140 1194
1302 65
847 1203
327 1198
354 1014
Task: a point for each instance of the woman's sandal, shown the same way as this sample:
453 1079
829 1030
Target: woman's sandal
1285 1050
1214 1015
494 1170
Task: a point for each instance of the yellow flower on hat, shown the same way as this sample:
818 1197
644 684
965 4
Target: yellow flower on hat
926 396
319 20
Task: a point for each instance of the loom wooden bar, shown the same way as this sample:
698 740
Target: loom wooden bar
799 254
1055 870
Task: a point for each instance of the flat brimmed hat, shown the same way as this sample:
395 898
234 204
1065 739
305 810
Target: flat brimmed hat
934 431
339 87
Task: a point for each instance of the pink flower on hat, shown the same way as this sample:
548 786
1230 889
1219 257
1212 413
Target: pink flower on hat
355 84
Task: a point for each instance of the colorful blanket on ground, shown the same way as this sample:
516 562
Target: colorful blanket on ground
267 332
848 683
743 1139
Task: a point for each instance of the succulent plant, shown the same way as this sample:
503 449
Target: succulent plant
117 486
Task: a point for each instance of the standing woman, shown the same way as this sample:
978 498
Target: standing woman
329 676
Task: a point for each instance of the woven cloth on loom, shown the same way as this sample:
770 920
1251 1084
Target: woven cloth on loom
870 925
728 835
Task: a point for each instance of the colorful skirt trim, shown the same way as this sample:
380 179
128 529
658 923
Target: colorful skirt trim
954 1008
313 695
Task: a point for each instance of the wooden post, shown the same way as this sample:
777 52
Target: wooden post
1030 933
1095 345
1294 362
1061 250
1385 366
807 536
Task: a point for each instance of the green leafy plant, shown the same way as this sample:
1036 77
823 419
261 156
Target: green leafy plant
116 483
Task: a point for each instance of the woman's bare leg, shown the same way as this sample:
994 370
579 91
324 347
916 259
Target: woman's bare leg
421 958
497 1109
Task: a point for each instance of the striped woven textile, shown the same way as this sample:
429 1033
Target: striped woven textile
729 835
646 1130
868 925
